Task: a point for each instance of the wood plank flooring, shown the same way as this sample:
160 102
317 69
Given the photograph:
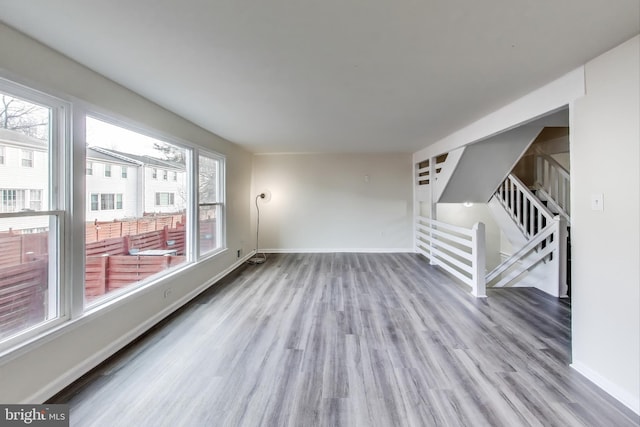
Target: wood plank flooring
348 340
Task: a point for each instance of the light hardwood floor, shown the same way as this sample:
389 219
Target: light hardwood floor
348 340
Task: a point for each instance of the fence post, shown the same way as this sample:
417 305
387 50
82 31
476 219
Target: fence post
478 250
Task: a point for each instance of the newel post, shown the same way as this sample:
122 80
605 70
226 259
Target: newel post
478 250
561 255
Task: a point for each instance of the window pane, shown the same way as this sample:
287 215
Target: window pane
28 290
139 230
28 284
209 214
24 136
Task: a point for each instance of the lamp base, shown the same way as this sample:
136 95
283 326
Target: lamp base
256 260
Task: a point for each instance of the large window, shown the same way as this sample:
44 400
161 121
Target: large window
136 227
165 209
211 203
32 211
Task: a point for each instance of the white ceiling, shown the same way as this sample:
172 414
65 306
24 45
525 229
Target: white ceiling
329 75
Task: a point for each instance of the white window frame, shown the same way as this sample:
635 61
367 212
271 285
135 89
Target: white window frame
59 159
221 225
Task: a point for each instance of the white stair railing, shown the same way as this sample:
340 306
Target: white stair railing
546 236
547 246
459 251
529 214
553 183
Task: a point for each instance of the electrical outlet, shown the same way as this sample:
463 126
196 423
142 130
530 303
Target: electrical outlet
239 252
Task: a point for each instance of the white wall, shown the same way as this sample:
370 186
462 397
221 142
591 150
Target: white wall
324 202
40 370
605 159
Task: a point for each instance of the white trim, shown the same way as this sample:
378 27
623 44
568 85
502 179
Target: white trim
337 250
76 372
623 396
548 98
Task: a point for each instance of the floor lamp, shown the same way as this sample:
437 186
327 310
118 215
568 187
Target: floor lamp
265 196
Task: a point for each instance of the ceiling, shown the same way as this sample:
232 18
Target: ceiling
330 75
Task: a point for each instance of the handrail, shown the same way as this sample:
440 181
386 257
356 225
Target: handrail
459 251
528 247
553 181
523 206
554 162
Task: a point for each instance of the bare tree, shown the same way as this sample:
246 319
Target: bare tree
24 117
170 152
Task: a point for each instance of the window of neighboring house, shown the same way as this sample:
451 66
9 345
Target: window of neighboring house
2 154
139 231
211 203
107 171
89 168
175 176
165 174
12 200
95 205
107 202
27 158
165 199
123 172
35 200
33 217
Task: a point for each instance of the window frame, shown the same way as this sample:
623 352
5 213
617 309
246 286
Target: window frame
67 208
59 209
221 226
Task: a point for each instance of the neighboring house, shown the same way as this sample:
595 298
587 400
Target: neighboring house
24 179
119 185
113 184
161 183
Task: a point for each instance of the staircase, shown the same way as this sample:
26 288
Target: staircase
531 207
541 215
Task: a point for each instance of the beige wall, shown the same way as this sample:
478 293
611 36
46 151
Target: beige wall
39 370
331 202
606 244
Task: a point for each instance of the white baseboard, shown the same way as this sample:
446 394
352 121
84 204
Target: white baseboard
76 372
627 399
338 250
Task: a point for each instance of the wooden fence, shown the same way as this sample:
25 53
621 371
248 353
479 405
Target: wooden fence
109 266
96 231
23 289
107 273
